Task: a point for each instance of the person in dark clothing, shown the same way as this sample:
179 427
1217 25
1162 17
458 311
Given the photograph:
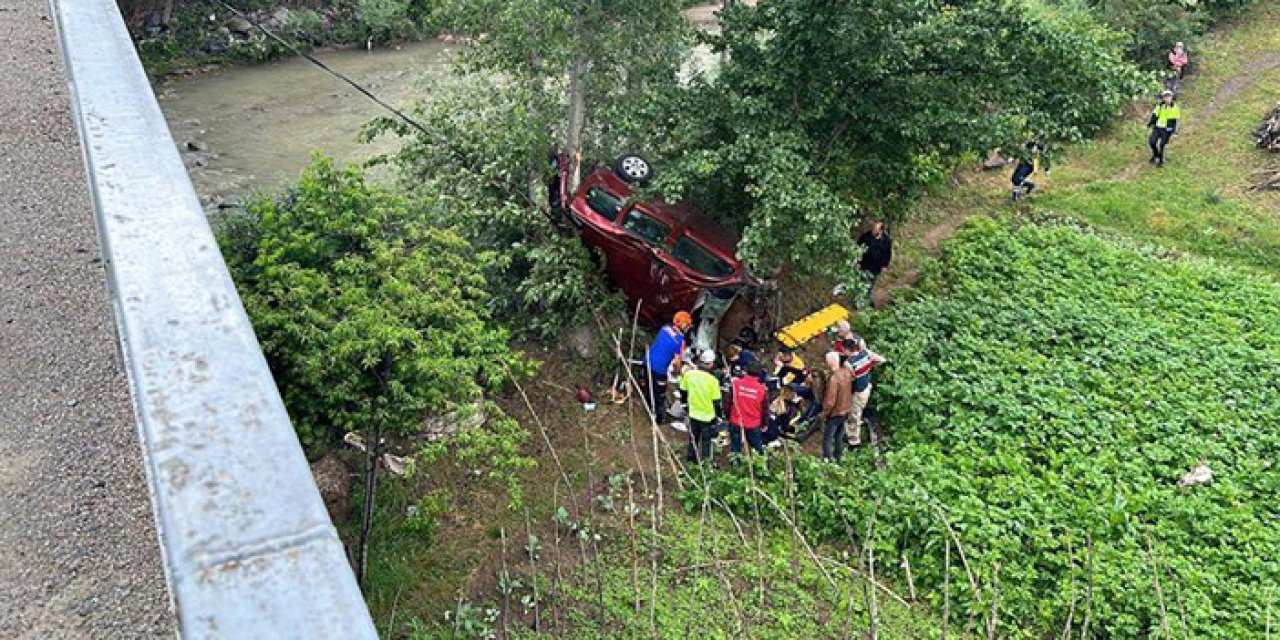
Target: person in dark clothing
877 253
1163 124
1027 167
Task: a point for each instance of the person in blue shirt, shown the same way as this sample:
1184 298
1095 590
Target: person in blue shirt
667 350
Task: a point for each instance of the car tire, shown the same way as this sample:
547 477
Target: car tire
633 169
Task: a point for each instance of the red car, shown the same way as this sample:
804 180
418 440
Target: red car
668 258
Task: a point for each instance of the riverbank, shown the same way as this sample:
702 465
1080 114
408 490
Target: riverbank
196 36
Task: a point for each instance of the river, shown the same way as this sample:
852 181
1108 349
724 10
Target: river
254 127
251 128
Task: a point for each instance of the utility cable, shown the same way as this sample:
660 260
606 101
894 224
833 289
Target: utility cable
313 60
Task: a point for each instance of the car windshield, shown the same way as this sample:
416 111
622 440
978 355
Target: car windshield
700 259
649 229
604 203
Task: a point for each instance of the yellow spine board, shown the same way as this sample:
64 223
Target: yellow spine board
804 329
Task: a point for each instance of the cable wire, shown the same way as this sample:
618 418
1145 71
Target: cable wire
313 60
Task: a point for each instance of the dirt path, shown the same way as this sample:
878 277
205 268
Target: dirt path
1239 82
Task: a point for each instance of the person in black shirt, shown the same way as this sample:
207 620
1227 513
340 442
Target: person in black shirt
877 252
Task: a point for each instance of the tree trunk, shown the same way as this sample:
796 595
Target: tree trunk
373 448
537 164
366 522
577 111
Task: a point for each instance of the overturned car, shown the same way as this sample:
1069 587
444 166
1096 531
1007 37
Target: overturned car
668 258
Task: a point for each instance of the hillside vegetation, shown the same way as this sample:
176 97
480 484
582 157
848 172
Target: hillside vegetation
1058 366
1046 395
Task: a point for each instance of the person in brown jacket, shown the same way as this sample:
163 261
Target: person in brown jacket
837 402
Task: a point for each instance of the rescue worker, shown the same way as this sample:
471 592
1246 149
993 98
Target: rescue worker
861 363
836 406
739 357
791 373
701 394
842 333
1027 167
1163 124
665 353
748 406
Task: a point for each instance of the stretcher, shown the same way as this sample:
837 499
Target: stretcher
805 329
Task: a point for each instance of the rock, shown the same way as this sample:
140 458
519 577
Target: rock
1198 475
195 145
282 17
333 479
240 26
436 428
582 340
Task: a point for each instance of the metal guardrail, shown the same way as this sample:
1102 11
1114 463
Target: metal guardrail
249 551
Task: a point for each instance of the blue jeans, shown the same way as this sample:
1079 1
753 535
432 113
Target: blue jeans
755 439
833 438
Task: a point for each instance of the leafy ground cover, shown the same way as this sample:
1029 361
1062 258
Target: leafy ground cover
1047 394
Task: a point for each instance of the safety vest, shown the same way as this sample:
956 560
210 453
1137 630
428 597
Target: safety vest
1166 112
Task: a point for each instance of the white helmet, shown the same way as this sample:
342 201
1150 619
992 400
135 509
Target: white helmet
707 357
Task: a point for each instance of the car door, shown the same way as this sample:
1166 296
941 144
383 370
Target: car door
638 263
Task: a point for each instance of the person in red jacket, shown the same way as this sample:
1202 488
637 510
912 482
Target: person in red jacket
749 405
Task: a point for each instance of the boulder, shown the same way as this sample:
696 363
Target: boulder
333 478
435 428
582 340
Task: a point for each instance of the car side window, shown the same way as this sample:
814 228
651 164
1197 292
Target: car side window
604 203
646 227
699 258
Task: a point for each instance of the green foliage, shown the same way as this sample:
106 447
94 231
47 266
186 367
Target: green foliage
824 106
387 21
369 316
476 173
1047 395
1153 27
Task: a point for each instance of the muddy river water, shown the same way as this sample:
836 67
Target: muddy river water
254 127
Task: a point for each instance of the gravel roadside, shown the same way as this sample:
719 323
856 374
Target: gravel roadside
78 550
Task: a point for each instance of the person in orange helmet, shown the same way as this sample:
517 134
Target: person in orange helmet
665 353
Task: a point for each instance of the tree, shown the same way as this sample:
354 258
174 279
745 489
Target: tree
370 317
822 106
583 76
596 58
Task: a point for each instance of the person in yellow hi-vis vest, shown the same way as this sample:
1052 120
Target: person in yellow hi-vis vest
1163 124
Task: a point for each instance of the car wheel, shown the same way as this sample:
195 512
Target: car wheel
633 169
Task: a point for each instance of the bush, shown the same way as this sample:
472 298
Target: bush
386 21
369 316
1046 397
1152 27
